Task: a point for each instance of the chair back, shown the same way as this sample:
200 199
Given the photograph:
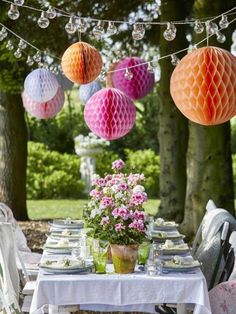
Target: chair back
9 278
217 224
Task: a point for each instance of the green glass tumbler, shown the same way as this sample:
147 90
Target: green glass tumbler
100 261
143 253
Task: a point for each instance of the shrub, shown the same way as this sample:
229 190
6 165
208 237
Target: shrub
51 174
104 161
148 163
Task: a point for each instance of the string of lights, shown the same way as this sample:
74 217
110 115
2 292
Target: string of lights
200 25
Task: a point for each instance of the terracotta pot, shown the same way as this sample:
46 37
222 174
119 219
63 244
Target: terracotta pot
124 257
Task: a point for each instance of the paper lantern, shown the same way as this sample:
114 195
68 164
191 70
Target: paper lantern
81 63
41 85
203 86
64 82
139 85
110 114
87 90
44 110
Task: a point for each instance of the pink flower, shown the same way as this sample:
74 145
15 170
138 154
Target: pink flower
96 194
105 220
123 187
107 202
139 215
135 178
100 182
137 225
138 198
121 212
119 227
118 164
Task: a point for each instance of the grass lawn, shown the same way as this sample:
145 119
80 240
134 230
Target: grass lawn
49 209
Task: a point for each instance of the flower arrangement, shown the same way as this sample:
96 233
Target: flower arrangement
115 212
89 141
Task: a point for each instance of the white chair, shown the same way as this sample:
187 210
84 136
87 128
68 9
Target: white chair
9 278
26 260
216 226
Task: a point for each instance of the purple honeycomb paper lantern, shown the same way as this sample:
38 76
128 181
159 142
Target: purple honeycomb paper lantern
41 85
86 91
139 85
110 114
45 110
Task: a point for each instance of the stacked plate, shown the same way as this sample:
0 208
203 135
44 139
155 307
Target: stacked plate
160 224
180 265
67 224
162 236
67 266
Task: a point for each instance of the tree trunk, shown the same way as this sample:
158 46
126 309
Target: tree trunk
173 129
13 154
209 162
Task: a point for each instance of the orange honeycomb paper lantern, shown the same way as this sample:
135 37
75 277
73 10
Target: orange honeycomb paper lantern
203 86
81 63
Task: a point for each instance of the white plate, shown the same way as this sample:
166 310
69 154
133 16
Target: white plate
57 251
65 270
169 236
170 266
58 236
174 251
165 227
60 223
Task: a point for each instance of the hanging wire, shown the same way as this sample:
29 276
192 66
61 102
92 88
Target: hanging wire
63 13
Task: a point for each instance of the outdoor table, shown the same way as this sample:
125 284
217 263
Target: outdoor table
114 292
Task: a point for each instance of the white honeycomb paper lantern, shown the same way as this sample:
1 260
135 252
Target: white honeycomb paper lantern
41 85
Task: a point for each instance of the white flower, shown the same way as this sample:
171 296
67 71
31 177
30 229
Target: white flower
138 188
94 212
119 195
114 188
106 190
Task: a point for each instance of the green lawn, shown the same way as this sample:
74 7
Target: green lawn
49 209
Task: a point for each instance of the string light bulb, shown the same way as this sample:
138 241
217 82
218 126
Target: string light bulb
22 44
111 29
18 53
70 27
29 61
170 33
98 30
211 28
224 23
51 12
82 26
37 57
13 13
9 45
19 2
198 27
138 31
221 38
174 60
43 21
128 74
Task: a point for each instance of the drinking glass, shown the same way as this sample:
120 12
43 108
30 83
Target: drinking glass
151 268
100 257
143 253
75 253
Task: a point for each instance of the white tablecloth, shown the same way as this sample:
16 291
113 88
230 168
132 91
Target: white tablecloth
132 292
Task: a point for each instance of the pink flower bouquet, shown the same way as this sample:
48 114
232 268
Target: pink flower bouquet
115 212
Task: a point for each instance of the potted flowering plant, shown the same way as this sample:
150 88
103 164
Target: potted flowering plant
115 213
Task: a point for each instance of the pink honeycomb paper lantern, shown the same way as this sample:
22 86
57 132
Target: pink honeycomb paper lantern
139 85
110 114
45 110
